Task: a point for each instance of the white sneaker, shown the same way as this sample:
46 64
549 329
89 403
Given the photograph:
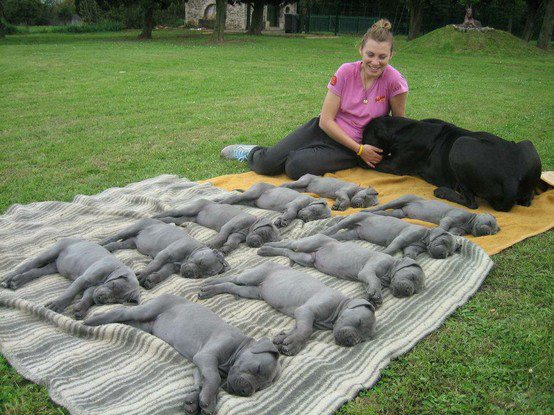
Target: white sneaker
237 151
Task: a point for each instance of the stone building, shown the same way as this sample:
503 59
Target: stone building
201 12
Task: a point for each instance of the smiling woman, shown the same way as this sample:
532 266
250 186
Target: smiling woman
358 92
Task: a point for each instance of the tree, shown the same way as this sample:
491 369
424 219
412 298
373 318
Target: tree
257 22
545 36
220 17
532 12
416 12
2 21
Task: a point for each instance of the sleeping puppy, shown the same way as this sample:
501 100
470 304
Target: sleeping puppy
463 164
202 337
351 261
454 220
172 250
292 203
99 275
395 234
346 194
233 224
308 300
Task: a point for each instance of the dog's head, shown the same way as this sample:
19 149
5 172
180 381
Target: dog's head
204 262
355 323
365 198
121 286
441 244
318 209
407 278
262 231
255 368
484 224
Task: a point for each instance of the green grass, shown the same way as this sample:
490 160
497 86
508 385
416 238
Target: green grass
81 113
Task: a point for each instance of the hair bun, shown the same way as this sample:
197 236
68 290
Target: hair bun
382 24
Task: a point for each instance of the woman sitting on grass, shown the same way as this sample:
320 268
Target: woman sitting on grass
357 93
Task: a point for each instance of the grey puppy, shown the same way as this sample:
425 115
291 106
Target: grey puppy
346 194
215 347
172 250
351 261
395 234
99 275
303 297
292 203
233 224
452 219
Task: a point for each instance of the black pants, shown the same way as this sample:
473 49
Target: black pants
308 149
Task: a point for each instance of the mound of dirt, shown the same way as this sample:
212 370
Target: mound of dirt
450 40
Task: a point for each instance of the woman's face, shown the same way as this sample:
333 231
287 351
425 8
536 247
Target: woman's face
375 57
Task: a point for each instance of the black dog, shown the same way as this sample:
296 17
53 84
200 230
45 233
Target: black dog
464 164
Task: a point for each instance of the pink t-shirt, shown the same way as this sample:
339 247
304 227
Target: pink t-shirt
353 113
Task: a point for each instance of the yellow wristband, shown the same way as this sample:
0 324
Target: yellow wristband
360 151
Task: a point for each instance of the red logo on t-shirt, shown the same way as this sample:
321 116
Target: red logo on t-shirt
334 80
380 98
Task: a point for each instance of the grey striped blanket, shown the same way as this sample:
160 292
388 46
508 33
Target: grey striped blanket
117 369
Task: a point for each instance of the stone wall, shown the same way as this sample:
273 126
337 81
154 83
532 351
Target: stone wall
236 15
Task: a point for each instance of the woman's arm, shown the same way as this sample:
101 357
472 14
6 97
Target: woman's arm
328 124
398 104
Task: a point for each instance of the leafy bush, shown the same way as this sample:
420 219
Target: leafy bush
29 12
89 11
64 10
103 26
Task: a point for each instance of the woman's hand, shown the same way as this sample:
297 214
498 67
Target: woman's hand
371 156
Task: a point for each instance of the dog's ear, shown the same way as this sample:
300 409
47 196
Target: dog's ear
264 345
360 302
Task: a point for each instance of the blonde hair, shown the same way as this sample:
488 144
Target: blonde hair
380 32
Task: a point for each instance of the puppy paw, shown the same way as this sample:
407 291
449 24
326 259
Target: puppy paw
207 405
13 282
290 345
80 309
441 192
281 222
277 340
375 298
149 281
191 404
207 291
339 206
56 306
267 251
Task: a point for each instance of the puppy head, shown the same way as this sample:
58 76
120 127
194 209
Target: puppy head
441 243
484 224
261 232
121 286
318 209
407 278
255 368
365 198
204 262
355 324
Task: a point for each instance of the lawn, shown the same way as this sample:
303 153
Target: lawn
81 113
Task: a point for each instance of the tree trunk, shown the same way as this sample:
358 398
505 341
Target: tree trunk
148 21
257 22
532 11
545 36
221 16
416 13
2 24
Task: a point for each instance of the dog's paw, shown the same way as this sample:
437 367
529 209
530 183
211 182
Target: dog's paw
191 404
56 306
80 309
442 192
266 251
207 291
281 222
291 345
13 282
148 281
340 206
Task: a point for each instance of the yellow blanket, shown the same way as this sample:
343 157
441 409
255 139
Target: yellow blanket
518 224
